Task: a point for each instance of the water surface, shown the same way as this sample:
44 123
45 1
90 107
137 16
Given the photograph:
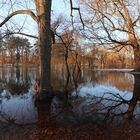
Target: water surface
98 96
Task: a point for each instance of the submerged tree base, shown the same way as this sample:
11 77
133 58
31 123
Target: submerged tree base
45 95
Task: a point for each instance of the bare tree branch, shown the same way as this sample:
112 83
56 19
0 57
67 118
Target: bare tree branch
138 19
19 33
113 40
78 9
71 7
27 12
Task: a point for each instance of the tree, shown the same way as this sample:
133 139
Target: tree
2 50
66 40
42 16
115 22
16 47
43 20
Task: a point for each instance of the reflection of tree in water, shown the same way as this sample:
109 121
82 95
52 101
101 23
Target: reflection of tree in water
118 102
104 108
44 112
17 88
135 98
19 84
110 107
20 112
44 108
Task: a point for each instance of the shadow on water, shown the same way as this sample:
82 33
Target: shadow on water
95 97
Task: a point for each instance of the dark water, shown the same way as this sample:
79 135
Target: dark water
105 96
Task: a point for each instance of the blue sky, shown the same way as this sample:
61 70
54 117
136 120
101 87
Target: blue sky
59 7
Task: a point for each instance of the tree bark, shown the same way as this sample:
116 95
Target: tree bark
44 28
137 58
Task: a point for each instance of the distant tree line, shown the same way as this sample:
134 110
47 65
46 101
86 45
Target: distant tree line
66 52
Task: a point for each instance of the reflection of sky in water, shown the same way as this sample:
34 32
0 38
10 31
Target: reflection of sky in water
93 104
102 90
88 106
20 108
97 92
119 79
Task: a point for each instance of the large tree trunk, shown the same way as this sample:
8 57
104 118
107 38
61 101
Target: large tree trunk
137 58
44 19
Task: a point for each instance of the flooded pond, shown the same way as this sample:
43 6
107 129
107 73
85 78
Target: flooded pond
99 96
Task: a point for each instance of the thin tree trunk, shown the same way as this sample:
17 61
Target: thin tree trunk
66 61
